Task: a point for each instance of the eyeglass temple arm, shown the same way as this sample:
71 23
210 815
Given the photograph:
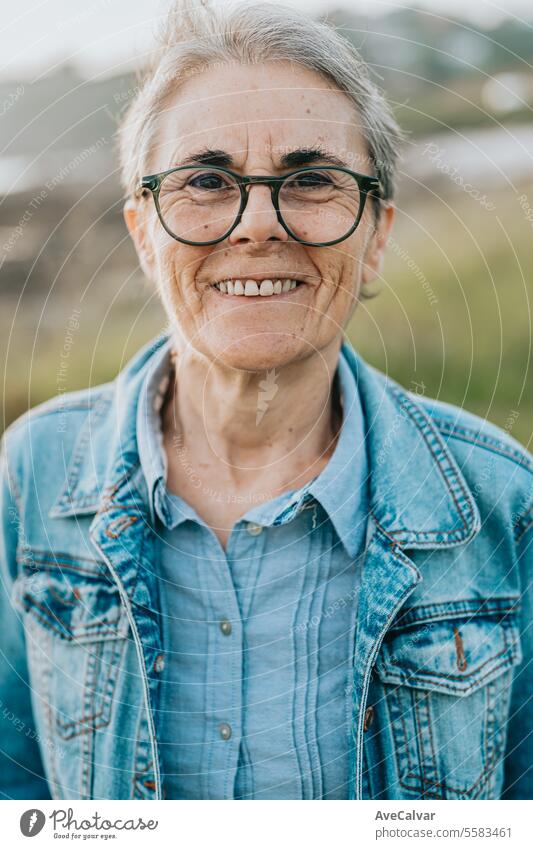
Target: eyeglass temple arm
376 186
147 184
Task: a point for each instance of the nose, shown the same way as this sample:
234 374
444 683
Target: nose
259 222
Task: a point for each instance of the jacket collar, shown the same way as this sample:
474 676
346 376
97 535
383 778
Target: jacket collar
105 455
418 495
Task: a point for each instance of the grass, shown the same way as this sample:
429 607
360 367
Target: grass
472 345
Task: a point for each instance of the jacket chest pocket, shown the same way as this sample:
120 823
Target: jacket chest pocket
446 685
76 630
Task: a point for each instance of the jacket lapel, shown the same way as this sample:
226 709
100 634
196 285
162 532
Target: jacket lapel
418 500
105 478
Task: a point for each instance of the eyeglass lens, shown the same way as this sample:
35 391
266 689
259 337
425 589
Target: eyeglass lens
202 204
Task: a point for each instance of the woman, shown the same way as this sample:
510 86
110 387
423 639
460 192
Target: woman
252 566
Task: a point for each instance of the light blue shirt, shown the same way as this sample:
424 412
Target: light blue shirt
258 639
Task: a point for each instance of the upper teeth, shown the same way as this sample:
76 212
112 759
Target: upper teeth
265 288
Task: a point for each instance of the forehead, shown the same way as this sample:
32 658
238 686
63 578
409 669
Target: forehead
259 110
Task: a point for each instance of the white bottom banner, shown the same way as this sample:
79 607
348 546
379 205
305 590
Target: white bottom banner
255 825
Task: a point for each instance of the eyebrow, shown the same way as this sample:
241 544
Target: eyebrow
297 158
301 156
208 156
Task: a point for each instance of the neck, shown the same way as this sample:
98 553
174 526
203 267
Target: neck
279 424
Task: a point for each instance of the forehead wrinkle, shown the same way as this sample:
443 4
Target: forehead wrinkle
243 156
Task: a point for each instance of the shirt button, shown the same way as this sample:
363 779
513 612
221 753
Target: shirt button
369 718
253 529
224 729
225 627
159 663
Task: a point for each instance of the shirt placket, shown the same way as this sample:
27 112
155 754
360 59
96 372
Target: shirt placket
247 543
224 663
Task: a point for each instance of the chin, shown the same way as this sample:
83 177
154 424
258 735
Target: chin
258 351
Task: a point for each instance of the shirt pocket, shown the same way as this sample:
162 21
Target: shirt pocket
76 629
446 674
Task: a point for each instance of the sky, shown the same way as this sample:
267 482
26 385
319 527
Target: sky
111 35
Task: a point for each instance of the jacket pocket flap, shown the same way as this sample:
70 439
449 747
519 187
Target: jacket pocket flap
455 655
75 610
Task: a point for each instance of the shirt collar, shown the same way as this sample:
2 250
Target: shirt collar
407 450
149 435
340 488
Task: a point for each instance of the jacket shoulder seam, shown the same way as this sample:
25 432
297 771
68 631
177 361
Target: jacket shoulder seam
482 440
54 407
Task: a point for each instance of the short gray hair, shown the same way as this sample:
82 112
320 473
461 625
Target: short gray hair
197 35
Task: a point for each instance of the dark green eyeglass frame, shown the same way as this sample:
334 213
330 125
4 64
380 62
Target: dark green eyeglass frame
367 185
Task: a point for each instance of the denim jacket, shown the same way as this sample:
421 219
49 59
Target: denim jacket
442 692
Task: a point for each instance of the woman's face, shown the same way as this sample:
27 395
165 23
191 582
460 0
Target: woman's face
255 115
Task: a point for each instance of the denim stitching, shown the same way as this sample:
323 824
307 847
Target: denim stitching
51 566
487 764
419 739
46 680
458 609
46 553
438 452
442 678
68 730
431 739
89 706
489 723
95 412
482 441
69 602
32 606
139 787
467 791
420 536
524 530
394 699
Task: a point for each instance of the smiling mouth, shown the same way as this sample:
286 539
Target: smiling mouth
252 288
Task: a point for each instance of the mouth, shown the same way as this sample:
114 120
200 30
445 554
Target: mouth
247 288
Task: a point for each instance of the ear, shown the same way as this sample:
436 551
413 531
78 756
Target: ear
373 262
137 229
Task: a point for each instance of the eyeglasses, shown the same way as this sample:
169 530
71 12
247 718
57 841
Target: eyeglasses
201 205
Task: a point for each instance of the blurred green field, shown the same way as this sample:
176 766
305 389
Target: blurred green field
451 317
472 347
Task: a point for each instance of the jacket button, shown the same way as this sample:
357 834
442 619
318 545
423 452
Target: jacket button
226 627
159 663
254 529
369 718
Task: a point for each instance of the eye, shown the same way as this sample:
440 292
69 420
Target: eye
209 181
312 180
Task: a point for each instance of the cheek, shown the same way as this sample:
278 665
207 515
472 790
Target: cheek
340 272
176 269
351 263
